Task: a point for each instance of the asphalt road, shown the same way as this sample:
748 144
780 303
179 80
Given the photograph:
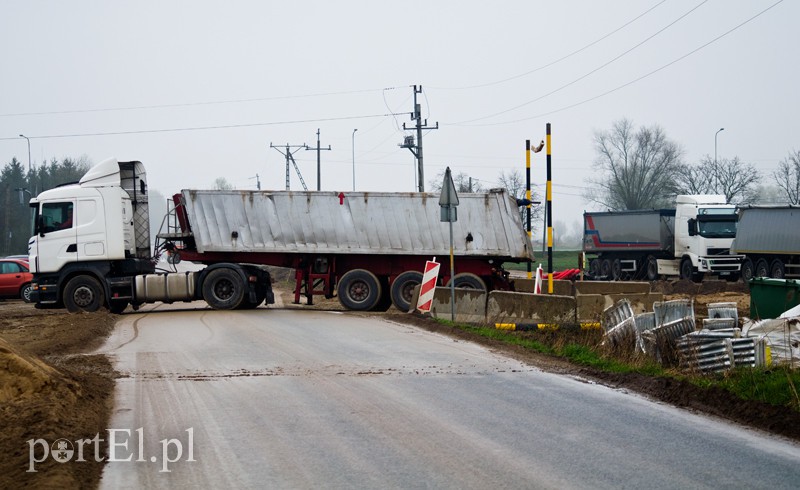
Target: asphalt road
276 398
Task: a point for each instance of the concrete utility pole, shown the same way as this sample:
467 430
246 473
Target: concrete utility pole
29 151
416 149
319 173
289 155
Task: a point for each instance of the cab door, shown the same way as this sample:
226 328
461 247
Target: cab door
56 243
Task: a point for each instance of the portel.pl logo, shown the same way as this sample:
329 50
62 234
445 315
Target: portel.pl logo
119 450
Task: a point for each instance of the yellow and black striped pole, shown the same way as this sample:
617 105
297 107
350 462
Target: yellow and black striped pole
549 212
528 195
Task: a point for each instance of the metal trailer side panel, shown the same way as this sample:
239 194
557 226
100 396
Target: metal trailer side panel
629 231
767 230
363 223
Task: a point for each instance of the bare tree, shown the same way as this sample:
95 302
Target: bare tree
222 184
694 179
463 182
734 179
640 167
788 177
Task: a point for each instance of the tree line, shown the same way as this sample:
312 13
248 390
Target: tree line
18 185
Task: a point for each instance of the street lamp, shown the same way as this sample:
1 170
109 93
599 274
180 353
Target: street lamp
29 151
715 144
354 159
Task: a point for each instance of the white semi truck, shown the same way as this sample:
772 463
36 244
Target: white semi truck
690 240
91 246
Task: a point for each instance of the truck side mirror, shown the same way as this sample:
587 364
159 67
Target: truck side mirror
692 227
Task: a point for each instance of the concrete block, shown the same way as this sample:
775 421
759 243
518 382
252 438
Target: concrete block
508 307
560 286
590 307
641 303
470 305
605 287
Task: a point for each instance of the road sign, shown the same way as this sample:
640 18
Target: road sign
449 199
428 286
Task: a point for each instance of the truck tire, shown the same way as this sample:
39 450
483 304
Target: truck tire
359 290
762 269
83 293
687 269
25 293
594 268
468 280
652 268
616 270
605 268
402 289
223 289
777 270
748 270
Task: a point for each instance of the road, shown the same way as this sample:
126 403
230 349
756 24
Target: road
282 398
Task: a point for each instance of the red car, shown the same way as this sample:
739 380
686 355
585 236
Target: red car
15 280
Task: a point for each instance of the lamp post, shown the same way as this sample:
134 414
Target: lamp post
354 159
29 151
715 144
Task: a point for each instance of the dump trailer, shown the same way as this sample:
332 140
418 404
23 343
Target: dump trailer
92 244
769 239
690 240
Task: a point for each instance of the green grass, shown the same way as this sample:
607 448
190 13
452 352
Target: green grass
778 386
562 260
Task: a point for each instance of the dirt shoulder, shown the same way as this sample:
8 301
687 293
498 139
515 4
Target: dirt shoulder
51 389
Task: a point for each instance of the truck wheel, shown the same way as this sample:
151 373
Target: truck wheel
83 293
762 269
616 270
402 289
748 270
223 289
777 270
687 269
594 268
468 280
605 268
359 290
652 268
25 293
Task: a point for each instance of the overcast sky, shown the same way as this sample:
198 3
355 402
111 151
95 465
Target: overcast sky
140 80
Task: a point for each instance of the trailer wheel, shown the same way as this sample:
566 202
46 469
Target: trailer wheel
777 270
223 289
359 290
594 268
762 269
468 280
403 289
83 293
748 270
616 270
652 268
605 268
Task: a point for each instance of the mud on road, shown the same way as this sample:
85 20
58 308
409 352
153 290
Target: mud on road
52 387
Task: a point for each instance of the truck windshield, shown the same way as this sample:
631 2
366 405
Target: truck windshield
716 223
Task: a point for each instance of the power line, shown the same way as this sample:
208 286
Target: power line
190 104
586 74
635 80
559 59
204 128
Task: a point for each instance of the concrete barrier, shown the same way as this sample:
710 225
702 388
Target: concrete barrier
604 287
507 307
560 287
590 306
470 305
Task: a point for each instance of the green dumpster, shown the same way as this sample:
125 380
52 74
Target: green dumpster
771 297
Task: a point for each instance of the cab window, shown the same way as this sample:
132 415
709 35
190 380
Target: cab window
56 216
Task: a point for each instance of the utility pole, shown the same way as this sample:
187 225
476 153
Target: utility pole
408 142
289 155
319 173
258 181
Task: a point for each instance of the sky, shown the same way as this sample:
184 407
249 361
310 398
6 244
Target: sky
198 90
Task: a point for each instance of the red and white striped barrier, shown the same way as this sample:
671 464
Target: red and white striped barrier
428 286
